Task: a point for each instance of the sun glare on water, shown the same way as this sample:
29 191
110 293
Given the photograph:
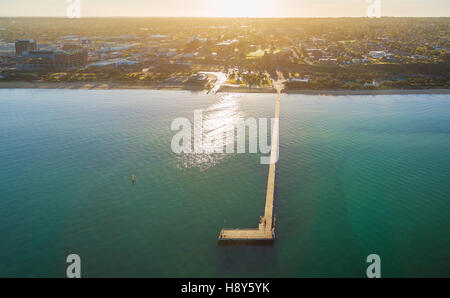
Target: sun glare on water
241 8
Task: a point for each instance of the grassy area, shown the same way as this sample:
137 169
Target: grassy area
256 54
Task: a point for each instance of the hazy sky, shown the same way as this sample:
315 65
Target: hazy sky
213 8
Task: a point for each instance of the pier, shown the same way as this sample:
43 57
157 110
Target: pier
266 228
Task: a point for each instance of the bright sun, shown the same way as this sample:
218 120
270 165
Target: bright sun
241 8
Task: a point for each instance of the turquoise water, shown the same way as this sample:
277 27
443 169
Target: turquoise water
357 175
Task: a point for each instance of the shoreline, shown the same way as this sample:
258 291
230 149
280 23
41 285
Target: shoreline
225 89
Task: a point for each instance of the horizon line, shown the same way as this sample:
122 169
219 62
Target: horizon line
228 17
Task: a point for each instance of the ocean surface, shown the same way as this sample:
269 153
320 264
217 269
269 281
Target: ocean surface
357 175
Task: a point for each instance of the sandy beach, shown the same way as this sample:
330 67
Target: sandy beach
369 92
88 85
224 89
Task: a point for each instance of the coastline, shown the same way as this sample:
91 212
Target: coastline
225 89
369 92
90 86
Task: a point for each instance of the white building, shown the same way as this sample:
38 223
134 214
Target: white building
373 84
298 80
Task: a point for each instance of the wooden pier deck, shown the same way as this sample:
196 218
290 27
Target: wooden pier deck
266 228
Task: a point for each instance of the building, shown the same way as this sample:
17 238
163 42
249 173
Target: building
199 39
70 46
25 45
315 53
328 61
7 49
158 36
374 84
71 58
34 60
51 60
377 54
123 63
298 80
